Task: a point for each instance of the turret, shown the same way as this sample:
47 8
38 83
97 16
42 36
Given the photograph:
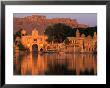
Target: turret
83 35
77 33
34 32
95 35
23 32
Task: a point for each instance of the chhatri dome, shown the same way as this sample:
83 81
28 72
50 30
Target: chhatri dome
95 35
83 35
34 32
77 33
23 32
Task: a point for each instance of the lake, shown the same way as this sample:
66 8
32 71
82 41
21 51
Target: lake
55 64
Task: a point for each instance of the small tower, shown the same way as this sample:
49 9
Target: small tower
95 35
83 35
23 32
17 38
77 33
34 32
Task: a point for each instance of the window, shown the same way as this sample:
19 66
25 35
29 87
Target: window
35 40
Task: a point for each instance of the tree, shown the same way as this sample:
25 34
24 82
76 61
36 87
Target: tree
18 43
88 31
59 32
18 33
21 46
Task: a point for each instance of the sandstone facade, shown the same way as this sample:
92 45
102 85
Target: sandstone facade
78 44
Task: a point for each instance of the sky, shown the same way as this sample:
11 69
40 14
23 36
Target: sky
89 19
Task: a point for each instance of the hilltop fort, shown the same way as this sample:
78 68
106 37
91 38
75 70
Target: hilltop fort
41 22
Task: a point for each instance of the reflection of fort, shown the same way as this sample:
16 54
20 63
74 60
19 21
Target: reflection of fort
80 43
38 65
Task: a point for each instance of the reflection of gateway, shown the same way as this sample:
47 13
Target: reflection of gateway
33 42
34 48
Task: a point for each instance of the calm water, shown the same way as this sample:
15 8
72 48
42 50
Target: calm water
55 64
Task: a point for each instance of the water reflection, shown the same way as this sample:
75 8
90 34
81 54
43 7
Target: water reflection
55 64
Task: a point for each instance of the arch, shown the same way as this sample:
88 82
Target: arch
41 50
89 49
34 48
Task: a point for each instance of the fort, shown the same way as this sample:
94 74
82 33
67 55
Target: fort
78 44
41 22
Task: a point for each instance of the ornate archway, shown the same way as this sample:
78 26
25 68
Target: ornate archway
34 48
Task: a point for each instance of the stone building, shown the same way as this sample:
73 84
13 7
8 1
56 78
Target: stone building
34 41
80 43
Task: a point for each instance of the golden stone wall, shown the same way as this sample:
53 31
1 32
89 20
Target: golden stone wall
29 40
80 43
83 44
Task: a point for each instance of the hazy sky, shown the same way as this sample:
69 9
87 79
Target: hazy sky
83 18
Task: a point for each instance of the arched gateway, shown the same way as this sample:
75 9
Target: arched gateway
34 41
34 48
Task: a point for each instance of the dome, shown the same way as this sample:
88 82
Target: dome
23 32
83 35
17 38
77 33
34 32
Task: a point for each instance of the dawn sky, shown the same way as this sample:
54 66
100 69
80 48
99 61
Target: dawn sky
82 18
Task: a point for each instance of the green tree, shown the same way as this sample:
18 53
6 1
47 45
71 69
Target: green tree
21 46
88 31
59 32
18 33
